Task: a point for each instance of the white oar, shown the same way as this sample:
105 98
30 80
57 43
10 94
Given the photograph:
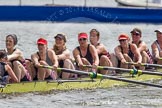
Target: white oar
100 76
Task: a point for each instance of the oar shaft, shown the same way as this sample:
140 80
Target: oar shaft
73 71
62 81
154 65
128 70
145 64
94 75
132 81
152 73
110 77
48 67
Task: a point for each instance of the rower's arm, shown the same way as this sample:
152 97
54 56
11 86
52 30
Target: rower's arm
155 51
118 53
136 52
77 57
65 55
94 55
34 59
142 47
11 73
15 55
100 48
54 58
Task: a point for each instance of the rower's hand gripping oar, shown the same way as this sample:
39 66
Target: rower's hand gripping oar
145 64
100 76
48 67
131 71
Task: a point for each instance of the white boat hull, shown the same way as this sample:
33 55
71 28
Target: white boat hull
140 3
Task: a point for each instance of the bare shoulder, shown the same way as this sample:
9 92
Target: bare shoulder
34 55
92 49
75 49
51 48
91 46
50 51
133 47
66 51
143 43
102 45
117 47
17 51
154 43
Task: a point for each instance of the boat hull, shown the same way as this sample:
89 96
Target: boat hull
136 3
69 85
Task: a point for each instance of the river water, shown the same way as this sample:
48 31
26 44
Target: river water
117 97
123 97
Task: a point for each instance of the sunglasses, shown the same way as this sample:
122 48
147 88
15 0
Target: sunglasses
122 40
135 34
82 39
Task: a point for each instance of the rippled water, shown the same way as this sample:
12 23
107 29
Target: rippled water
119 97
125 97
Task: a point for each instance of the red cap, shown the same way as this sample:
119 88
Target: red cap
42 41
123 37
82 35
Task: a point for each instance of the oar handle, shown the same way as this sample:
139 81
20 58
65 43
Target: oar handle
48 67
131 63
160 58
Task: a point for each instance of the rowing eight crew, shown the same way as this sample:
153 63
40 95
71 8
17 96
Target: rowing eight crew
15 68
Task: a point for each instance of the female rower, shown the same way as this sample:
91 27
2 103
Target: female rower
157 47
63 55
141 45
6 72
127 52
46 57
16 59
85 53
104 56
